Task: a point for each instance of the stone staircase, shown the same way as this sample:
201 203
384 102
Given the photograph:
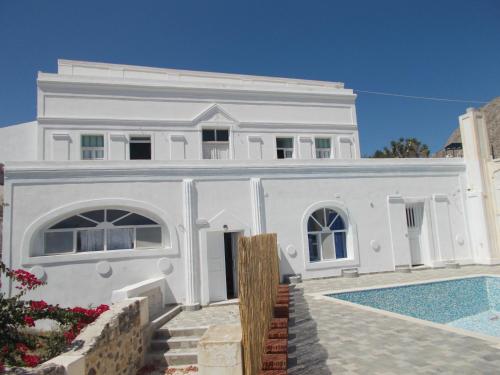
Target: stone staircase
175 346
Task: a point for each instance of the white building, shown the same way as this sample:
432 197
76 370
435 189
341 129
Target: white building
83 212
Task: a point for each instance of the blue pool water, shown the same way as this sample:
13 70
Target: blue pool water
469 303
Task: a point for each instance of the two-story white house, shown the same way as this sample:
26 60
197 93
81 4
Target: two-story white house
131 174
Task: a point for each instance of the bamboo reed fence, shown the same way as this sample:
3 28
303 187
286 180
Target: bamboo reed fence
258 280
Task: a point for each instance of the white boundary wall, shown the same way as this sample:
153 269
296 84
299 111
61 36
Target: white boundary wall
245 197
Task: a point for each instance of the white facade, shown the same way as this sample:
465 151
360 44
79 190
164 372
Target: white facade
181 118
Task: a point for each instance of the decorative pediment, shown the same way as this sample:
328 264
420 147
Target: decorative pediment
226 217
216 115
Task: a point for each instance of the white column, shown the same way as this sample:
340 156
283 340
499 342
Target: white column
258 215
480 209
190 259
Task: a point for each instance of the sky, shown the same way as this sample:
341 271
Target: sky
431 48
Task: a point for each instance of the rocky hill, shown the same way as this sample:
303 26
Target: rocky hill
492 117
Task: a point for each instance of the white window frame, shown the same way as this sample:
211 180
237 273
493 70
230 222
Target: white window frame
93 149
284 148
327 230
105 226
216 142
329 150
141 136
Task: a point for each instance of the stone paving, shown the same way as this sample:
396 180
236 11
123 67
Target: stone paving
332 338
224 314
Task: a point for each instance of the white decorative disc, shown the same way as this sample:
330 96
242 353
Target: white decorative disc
103 268
375 245
39 272
460 239
291 250
165 266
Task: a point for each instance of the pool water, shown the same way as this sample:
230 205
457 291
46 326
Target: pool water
470 303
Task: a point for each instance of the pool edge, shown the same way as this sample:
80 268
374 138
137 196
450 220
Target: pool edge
494 341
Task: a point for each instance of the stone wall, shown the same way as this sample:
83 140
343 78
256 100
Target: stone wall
114 344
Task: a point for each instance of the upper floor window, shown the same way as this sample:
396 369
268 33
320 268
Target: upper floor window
92 147
326 232
140 148
215 143
323 148
284 148
102 230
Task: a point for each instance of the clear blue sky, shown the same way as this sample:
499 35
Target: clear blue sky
440 48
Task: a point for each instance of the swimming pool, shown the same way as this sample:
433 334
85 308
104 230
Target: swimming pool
471 303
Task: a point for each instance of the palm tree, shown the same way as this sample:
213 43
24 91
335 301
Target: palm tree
404 148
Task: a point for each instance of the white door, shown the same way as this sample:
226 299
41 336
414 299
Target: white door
216 266
414 216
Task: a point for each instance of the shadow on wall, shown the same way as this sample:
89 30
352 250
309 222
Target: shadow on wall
285 266
305 353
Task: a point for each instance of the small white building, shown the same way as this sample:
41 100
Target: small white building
131 174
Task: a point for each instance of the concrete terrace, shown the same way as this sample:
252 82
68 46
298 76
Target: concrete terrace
327 337
333 338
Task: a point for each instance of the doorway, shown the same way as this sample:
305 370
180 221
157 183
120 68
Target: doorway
222 257
231 254
414 218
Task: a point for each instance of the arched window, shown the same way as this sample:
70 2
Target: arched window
102 230
326 232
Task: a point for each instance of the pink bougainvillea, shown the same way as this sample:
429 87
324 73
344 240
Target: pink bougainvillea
20 346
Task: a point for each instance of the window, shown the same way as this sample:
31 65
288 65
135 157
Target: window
284 148
326 232
323 148
215 143
92 147
140 148
102 230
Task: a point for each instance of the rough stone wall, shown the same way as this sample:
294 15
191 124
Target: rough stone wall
47 369
119 347
115 344
492 118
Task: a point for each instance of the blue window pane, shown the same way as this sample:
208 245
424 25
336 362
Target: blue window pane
313 226
330 216
313 248
338 224
322 142
284 142
74 222
340 245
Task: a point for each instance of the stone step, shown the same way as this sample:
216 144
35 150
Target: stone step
174 357
177 342
167 332
404 268
350 272
171 311
185 356
451 264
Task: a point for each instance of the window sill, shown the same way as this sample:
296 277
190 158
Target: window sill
334 263
100 255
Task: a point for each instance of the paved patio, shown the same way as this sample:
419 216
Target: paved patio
333 338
